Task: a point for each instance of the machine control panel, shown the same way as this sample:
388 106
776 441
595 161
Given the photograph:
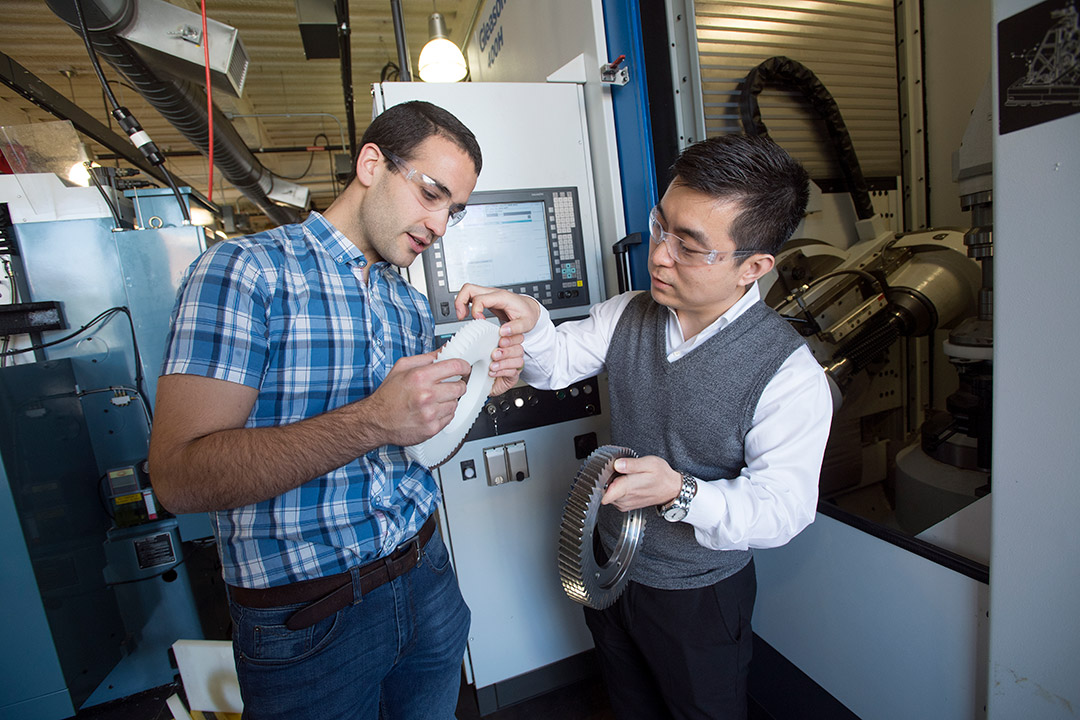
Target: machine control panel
527 241
525 407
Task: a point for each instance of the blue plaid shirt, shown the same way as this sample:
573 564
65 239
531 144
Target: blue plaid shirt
287 311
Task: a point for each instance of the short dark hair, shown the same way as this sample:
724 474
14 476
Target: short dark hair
399 129
770 186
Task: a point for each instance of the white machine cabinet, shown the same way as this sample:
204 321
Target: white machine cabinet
503 492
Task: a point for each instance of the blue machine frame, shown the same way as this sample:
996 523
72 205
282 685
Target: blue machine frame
633 129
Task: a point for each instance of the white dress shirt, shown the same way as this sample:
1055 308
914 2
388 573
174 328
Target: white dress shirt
775 495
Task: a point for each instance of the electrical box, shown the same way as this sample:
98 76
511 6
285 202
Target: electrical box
532 228
131 500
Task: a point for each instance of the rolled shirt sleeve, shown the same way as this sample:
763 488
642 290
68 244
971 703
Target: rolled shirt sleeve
219 326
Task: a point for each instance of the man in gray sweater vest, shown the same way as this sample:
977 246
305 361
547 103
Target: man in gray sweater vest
727 409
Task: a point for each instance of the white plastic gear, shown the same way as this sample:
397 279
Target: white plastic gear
474 344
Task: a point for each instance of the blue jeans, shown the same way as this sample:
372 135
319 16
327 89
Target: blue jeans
394 653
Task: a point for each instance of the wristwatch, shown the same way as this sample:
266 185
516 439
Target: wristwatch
676 510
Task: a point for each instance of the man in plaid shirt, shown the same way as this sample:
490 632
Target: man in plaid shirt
298 366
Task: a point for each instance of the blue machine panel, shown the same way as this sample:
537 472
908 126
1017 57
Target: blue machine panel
100 629
89 268
53 478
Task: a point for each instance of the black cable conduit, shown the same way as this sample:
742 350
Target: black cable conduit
786 72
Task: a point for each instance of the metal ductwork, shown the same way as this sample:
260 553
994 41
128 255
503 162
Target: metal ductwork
183 104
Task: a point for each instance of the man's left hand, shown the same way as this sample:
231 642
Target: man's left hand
507 360
642 482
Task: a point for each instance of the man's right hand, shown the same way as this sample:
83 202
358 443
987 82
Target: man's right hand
517 313
416 400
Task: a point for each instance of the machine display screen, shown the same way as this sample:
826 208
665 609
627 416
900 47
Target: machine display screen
498 244
528 241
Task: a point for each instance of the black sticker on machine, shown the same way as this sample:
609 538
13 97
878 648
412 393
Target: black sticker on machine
1039 65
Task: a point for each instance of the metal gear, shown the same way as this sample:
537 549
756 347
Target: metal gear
473 343
585 578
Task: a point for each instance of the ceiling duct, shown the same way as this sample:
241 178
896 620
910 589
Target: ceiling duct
169 38
183 105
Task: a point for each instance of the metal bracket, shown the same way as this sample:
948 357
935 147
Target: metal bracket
612 74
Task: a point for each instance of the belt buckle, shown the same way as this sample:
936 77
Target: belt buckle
404 551
416 550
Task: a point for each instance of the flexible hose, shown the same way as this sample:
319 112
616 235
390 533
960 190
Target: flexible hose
786 72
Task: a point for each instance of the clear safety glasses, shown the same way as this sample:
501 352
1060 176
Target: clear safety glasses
684 253
432 194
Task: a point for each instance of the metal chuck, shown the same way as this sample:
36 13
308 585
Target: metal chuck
586 579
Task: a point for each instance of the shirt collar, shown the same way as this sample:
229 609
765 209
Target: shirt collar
675 338
751 296
333 240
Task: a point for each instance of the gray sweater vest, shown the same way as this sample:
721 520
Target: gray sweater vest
694 413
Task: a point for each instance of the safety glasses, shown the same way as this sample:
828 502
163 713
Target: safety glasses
432 194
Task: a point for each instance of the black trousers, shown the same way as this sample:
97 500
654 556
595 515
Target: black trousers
677 653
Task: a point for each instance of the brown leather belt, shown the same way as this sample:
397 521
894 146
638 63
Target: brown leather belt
326 595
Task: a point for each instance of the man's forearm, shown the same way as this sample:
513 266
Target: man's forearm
242 466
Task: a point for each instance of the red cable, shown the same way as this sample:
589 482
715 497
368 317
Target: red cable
209 104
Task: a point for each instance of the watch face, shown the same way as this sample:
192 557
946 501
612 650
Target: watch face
675 514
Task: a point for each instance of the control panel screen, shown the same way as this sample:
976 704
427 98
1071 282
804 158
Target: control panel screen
498 244
526 241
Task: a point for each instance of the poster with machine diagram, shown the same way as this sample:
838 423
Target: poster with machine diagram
1039 65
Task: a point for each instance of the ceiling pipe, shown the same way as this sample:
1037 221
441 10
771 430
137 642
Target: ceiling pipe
341 7
404 64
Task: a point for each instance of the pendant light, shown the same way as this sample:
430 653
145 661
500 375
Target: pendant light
441 60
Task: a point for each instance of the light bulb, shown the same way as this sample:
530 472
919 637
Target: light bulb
201 216
79 175
441 60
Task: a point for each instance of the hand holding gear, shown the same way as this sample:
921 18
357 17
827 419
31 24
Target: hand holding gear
474 344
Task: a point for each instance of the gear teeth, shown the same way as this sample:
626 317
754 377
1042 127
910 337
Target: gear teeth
578 570
453 452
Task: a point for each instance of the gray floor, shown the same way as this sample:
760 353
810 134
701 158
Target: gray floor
584 700
777 691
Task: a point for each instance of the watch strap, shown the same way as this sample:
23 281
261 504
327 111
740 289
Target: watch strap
687 491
